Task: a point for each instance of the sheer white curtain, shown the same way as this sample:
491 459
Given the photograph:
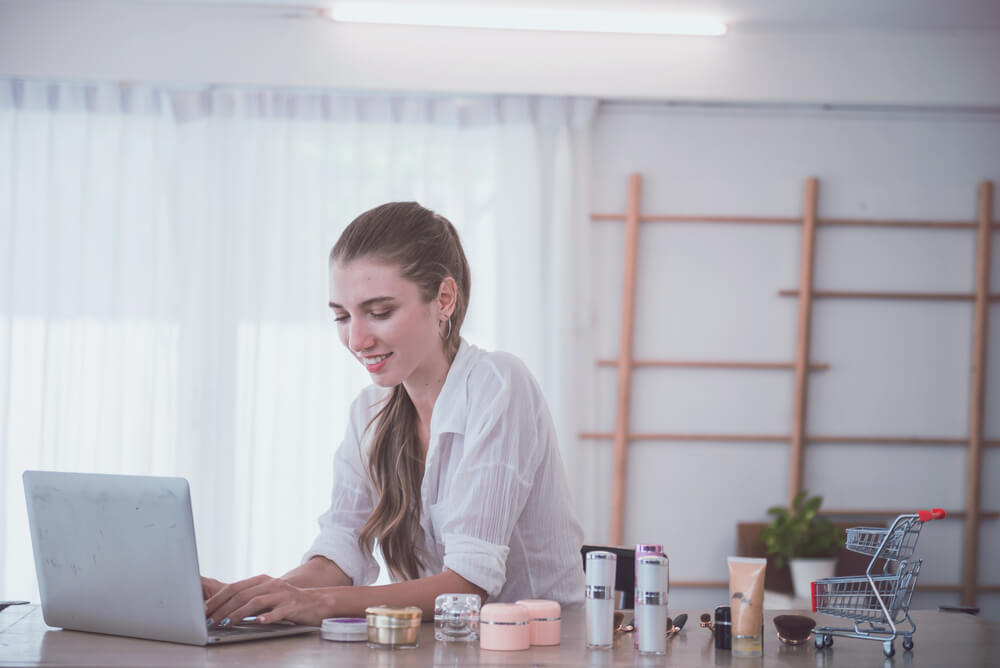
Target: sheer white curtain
163 288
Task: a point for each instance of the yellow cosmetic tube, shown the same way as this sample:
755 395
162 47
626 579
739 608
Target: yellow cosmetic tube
746 599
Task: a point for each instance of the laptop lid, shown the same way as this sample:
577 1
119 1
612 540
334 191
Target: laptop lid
116 554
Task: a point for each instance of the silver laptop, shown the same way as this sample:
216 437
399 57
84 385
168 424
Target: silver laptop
116 554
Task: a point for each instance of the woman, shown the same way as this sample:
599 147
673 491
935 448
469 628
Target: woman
450 460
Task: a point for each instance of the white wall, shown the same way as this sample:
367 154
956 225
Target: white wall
706 291
184 43
710 292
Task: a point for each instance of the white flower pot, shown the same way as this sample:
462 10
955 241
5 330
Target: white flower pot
807 571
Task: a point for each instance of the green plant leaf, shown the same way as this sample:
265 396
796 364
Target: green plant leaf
799 531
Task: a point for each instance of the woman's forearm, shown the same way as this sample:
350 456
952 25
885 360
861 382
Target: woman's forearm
352 601
317 572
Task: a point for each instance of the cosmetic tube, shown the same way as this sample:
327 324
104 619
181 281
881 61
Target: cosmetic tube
723 628
746 601
651 605
600 601
643 550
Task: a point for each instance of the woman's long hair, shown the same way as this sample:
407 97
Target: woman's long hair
426 248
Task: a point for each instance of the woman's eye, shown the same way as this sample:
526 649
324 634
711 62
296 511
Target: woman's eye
341 318
381 315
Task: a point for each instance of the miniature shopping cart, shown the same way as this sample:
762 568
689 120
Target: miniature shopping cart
879 600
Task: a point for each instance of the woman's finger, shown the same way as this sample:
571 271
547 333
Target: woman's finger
278 613
232 596
261 603
210 587
300 606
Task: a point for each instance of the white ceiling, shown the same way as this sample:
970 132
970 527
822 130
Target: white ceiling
880 53
741 14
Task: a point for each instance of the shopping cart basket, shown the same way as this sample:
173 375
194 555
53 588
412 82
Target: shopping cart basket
876 603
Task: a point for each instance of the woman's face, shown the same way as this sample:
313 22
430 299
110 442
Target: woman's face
384 322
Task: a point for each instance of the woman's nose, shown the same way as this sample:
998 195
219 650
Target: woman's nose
360 337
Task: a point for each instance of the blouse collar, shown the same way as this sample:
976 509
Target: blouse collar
451 407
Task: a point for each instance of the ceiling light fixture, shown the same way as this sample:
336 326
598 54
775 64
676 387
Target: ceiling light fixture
461 15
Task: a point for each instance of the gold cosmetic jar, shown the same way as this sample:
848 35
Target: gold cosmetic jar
393 626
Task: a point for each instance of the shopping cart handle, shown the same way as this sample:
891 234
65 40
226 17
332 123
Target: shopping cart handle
928 515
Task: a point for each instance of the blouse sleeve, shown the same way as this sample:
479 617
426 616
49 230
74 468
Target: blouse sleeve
351 505
504 442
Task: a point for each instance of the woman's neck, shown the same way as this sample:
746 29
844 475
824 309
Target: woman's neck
424 385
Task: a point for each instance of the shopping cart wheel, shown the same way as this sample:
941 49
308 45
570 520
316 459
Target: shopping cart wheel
827 641
888 649
907 643
818 640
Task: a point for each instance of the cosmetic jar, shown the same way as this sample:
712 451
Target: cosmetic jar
651 605
723 628
599 599
456 617
546 621
393 626
344 629
504 627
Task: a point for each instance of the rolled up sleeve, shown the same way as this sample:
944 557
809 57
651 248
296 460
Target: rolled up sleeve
493 481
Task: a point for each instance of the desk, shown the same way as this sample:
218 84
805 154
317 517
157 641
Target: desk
954 640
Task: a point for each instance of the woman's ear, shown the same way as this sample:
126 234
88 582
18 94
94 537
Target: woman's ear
447 296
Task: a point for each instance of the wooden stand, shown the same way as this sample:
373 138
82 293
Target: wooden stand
802 365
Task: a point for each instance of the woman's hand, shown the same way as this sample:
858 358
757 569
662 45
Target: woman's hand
270 599
210 587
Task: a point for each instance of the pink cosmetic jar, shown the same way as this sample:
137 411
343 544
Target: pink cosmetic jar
504 626
546 620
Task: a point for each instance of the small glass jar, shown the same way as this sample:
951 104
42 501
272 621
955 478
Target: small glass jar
456 617
393 626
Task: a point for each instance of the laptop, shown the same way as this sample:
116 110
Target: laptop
116 554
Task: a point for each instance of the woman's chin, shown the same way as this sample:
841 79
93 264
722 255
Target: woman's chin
383 380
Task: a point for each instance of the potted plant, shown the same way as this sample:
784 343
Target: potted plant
807 542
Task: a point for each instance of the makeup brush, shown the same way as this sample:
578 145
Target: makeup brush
794 629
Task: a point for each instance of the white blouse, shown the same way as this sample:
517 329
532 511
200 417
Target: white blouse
495 507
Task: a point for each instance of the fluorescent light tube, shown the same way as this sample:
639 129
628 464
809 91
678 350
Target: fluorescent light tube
462 15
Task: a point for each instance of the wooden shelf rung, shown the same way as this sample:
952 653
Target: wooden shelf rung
714 364
750 220
747 438
915 296
888 440
780 438
925 587
889 514
787 220
910 224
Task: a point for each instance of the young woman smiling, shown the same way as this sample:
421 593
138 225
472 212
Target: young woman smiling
450 462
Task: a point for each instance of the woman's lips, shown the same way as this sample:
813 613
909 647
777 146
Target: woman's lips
375 363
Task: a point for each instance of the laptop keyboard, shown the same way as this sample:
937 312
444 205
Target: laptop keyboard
239 629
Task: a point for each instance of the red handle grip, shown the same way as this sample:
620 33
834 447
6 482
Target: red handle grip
928 515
